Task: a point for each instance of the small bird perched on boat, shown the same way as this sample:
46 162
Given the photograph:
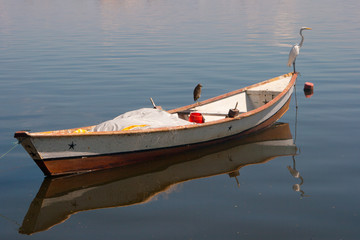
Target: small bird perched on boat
294 52
197 92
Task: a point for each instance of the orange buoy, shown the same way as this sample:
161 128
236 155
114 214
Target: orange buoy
309 89
308 93
309 86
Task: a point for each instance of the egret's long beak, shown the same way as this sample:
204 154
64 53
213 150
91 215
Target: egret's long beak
308 28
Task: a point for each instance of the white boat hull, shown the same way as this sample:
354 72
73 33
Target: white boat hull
99 150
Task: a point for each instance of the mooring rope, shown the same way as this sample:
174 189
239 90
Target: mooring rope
10 220
12 148
296 113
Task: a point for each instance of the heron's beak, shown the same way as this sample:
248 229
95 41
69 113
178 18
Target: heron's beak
308 28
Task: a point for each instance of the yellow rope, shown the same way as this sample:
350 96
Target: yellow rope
133 126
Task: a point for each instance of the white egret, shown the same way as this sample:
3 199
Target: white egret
294 52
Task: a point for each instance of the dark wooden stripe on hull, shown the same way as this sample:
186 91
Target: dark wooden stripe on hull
92 163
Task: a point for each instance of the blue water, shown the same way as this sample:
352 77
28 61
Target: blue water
76 63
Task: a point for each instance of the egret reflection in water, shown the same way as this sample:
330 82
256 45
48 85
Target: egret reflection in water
296 174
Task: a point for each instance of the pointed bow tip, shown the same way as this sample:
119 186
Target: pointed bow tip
21 134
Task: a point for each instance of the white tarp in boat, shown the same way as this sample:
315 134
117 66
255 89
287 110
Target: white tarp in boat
141 119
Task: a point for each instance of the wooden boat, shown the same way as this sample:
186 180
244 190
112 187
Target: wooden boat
73 150
59 198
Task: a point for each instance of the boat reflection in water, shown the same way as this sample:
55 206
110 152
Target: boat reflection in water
59 198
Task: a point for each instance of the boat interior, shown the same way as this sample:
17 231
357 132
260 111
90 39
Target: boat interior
243 102
239 103
223 107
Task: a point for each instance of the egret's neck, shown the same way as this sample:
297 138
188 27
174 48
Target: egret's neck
302 39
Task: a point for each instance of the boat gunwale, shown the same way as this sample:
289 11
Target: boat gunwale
57 133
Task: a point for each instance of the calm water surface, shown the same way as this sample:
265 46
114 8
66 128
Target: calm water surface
76 63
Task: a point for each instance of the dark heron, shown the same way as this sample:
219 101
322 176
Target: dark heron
197 92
